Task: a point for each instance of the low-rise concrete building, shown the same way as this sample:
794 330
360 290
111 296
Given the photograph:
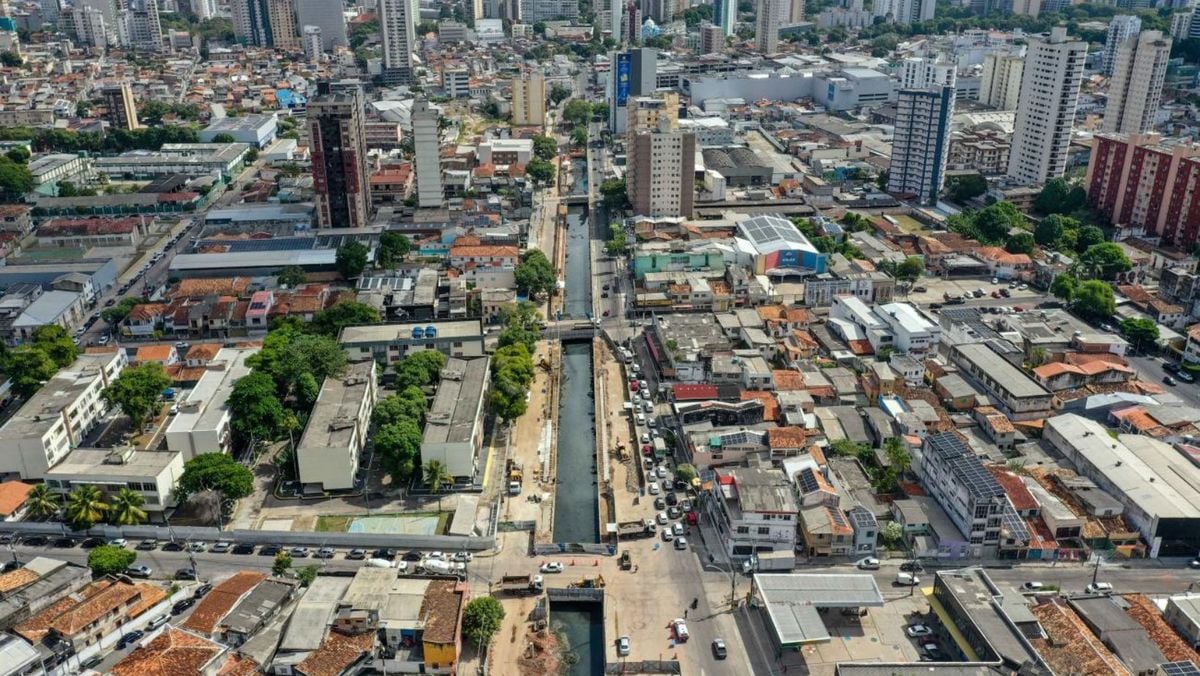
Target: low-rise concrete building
254 130
58 416
388 343
202 424
333 441
1014 392
454 423
755 512
151 474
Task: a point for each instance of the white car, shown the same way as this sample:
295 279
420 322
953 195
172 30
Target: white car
662 518
677 529
652 489
1032 586
661 472
1099 587
645 437
623 646
916 630
680 543
551 567
667 535
118 542
435 555
869 563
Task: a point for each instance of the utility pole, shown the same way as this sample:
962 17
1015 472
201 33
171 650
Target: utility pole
1096 569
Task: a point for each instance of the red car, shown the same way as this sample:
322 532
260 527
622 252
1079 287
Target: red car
647 449
633 386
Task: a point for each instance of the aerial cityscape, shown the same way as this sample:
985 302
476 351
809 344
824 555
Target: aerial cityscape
529 337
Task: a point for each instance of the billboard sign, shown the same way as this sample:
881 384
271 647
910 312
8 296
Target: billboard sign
624 73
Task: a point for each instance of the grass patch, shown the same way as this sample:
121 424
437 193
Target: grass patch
333 524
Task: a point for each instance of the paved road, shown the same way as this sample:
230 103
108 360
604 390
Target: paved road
1151 369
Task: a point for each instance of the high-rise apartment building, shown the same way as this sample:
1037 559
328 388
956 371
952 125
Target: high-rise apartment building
921 143
265 23
905 11
314 44
1153 188
1046 107
920 72
712 39
529 98
426 148
399 37
725 15
796 11
327 15
766 27
614 19
1120 29
1139 71
122 109
143 30
533 11
1000 85
645 112
339 157
661 170
634 73
284 35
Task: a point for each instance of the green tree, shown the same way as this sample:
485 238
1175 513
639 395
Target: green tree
11 59
995 220
419 369
891 535
437 477
27 368
845 447
1104 261
577 112
966 187
399 443
1064 286
110 560
85 507
686 472
331 321
18 154
215 472
559 93
541 171
393 247
15 178
614 193
121 310
545 147
897 454
351 259
257 414
42 503
57 344
224 138
306 575
1051 229
535 275
1094 298
522 324
1020 243
1059 197
617 244
408 404
512 373
126 508
1139 331
1088 237
282 564
579 136
910 268
292 276
137 391
482 618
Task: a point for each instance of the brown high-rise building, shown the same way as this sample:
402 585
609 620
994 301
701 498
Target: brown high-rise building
122 109
661 176
339 157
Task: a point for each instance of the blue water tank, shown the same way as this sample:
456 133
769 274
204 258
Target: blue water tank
431 332
418 332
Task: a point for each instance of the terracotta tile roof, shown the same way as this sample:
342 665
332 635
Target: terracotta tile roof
171 652
337 652
154 353
35 628
220 601
1020 497
145 312
999 255
787 380
1071 648
785 437
15 579
770 404
119 594
1090 368
227 286
698 392
485 251
12 496
203 351
1081 358
1145 613
999 422
238 665
818 455
441 607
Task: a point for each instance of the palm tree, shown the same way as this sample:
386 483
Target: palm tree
86 507
897 453
437 477
42 503
126 509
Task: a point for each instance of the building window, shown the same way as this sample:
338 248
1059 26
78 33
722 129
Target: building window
763 530
743 530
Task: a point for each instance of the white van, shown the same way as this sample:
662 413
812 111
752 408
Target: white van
641 419
651 422
907 579
1100 588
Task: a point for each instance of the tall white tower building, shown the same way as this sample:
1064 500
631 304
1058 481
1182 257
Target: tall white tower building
921 145
427 160
1120 29
766 31
1139 70
1046 107
399 36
